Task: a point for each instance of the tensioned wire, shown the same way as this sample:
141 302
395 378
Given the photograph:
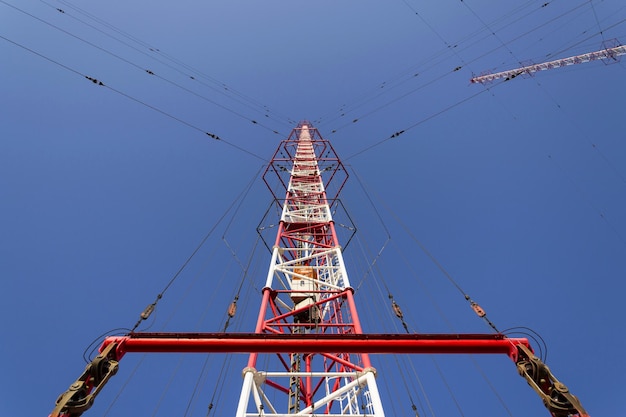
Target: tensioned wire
239 197
145 49
132 98
378 274
428 63
455 49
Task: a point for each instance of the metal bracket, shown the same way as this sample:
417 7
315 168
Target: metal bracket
555 395
82 393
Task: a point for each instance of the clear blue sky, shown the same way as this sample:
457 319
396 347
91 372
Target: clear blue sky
518 190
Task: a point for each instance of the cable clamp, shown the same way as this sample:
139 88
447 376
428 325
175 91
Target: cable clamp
95 81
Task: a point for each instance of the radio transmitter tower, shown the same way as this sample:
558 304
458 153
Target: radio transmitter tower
307 293
308 352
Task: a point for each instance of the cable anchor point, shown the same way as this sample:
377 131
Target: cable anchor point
554 394
82 393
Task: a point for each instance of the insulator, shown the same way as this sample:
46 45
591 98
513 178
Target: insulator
232 309
146 313
396 309
478 310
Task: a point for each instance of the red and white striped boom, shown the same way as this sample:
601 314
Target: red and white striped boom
607 54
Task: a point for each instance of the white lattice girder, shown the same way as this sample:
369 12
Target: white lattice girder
328 263
306 213
355 381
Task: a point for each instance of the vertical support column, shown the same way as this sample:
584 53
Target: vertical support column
244 397
377 404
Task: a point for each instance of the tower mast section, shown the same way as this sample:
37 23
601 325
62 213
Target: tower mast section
605 54
307 292
308 333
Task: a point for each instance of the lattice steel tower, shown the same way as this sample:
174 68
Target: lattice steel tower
308 292
308 353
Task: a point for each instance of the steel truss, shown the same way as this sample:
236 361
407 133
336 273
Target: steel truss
307 292
607 54
308 329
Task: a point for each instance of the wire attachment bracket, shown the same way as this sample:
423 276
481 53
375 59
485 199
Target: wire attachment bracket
555 395
82 393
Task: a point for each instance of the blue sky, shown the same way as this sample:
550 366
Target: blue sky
518 189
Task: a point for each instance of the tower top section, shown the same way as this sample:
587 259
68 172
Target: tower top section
288 160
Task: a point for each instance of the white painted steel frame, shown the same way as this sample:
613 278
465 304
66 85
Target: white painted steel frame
606 54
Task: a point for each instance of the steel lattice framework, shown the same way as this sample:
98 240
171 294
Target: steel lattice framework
308 336
307 291
608 54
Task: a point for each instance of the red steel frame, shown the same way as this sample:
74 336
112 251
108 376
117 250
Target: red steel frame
287 343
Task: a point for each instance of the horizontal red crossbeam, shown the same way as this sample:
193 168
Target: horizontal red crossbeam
315 343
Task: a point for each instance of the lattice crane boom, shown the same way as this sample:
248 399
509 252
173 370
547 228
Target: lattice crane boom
605 54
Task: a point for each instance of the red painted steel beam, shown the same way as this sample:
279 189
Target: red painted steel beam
315 343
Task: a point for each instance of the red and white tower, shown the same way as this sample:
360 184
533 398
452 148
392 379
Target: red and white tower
308 292
308 353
